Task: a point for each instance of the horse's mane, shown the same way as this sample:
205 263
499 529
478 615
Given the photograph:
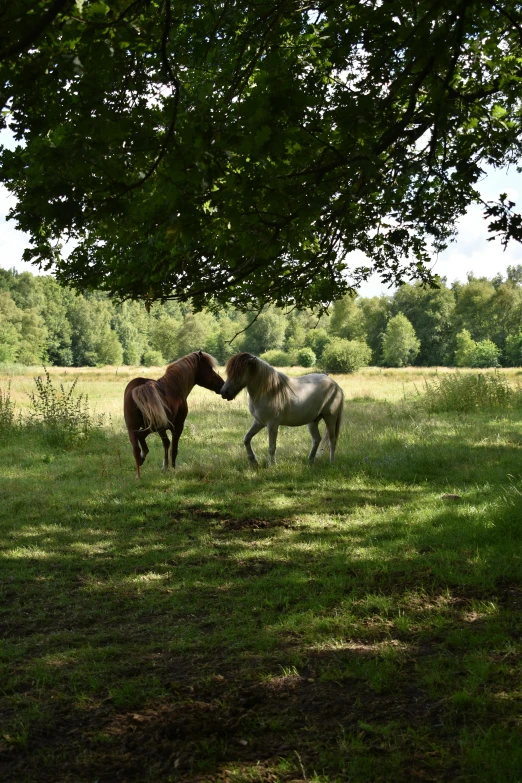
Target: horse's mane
266 380
180 374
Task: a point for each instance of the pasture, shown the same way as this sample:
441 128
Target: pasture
355 622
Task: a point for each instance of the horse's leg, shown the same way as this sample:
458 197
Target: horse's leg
272 428
179 424
331 427
254 429
313 429
143 444
166 445
136 450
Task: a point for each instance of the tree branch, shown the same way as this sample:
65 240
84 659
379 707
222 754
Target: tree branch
30 38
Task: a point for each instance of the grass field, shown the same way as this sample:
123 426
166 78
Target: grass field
356 622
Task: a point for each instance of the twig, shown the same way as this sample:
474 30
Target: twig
229 342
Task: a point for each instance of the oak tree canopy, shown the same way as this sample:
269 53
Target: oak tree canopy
234 151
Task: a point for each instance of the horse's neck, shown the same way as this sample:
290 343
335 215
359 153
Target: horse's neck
180 380
268 382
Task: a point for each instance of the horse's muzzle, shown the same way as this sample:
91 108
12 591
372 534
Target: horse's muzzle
228 394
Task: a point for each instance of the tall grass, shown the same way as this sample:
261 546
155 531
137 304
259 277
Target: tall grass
7 411
62 415
470 392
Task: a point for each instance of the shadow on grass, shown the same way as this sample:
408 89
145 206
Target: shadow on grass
237 625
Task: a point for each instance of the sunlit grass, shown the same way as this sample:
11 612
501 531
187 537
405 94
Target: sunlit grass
359 621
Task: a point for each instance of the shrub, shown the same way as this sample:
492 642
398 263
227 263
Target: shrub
63 417
472 354
342 355
152 358
470 392
306 357
485 354
278 358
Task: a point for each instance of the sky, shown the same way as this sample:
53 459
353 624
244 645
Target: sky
471 252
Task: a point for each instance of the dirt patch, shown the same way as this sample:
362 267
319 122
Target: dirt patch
254 524
232 523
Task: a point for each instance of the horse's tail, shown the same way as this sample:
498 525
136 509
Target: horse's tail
150 402
339 417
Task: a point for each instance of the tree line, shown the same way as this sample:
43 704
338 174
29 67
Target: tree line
476 324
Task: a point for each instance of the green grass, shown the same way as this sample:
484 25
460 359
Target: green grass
355 622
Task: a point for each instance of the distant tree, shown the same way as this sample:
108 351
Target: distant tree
109 349
400 345
197 332
27 291
317 339
465 349
54 314
377 312
163 337
514 273
431 313
347 319
473 307
130 322
513 349
295 331
90 318
504 313
6 279
228 327
10 318
33 337
267 332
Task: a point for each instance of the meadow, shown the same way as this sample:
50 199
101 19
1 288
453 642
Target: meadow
355 622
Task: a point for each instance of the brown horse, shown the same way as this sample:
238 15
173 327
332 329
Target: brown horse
158 406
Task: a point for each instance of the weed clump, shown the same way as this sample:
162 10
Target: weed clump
8 421
470 392
63 416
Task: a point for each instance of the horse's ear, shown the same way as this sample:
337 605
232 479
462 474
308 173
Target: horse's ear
200 352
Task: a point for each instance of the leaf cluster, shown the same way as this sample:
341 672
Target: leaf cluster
237 152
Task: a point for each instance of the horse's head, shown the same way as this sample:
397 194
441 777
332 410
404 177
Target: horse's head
239 368
206 375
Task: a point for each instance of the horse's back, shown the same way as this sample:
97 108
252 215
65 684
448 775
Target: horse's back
310 397
314 384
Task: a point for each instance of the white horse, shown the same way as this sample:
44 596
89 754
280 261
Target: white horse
274 399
